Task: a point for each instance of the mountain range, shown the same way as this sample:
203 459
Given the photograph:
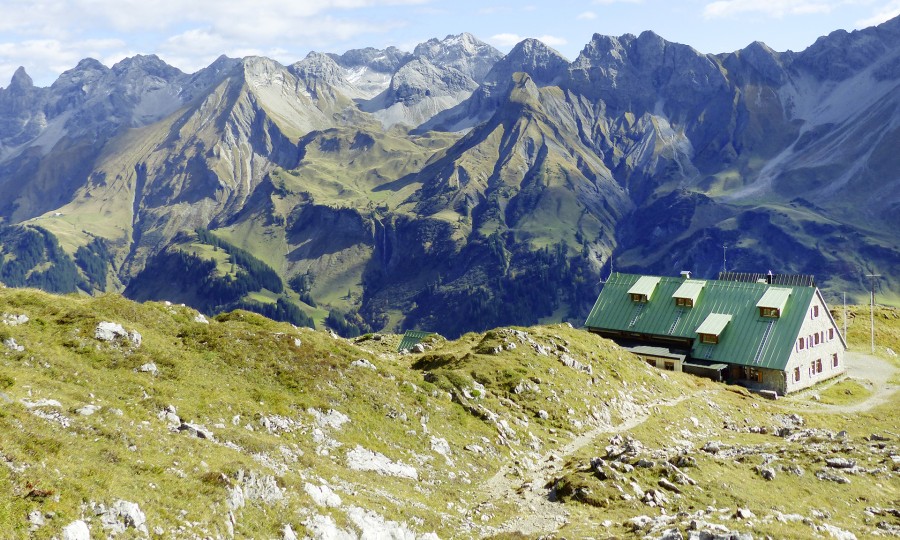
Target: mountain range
454 188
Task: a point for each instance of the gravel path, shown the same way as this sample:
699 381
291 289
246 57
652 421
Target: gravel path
524 482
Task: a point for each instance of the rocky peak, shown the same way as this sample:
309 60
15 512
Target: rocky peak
319 67
87 71
141 65
635 73
208 76
841 54
20 81
463 52
382 60
760 59
545 65
420 78
262 71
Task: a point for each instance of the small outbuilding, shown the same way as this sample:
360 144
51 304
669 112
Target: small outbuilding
764 331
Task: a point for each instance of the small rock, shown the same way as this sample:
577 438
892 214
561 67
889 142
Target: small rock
840 463
744 513
767 473
41 403
150 368
418 348
122 515
14 320
196 430
361 459
297 342
831 477
288 533
200 318
322 495
109 331
12 345
665 484
711 447
77 530
543 415
87 410
36 518
135 338
671 534
363 363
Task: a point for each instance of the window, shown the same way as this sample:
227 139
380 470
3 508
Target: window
635 297
769 312
752 374
812 369
670 366
816 338
650 362
815 311
685 302
834 360
819 365
709 338
830 334
796 374
800 344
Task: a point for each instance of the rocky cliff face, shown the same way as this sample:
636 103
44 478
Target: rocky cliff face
398 183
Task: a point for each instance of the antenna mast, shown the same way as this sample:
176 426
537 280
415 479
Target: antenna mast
724 260
872 308
845 320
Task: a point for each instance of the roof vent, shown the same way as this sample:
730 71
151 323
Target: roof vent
686 274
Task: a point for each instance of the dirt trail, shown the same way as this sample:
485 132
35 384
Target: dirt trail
874 372
526 490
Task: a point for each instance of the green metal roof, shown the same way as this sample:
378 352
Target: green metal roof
645 286
775 297
690 288
714 324
411 337
750 340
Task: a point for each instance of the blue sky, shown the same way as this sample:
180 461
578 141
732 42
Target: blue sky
50 36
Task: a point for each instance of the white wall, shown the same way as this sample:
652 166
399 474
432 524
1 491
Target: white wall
825 349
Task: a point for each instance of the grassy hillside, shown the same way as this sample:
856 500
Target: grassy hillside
242 426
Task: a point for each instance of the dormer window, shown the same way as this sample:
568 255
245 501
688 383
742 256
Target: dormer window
643 289
712 328
772 302
688 293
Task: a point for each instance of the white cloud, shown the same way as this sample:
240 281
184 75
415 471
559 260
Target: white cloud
771 8
44 59
49 36
587 16
505 41
885 13
610 2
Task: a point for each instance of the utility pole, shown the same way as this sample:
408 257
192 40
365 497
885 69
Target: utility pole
872 308
845 320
